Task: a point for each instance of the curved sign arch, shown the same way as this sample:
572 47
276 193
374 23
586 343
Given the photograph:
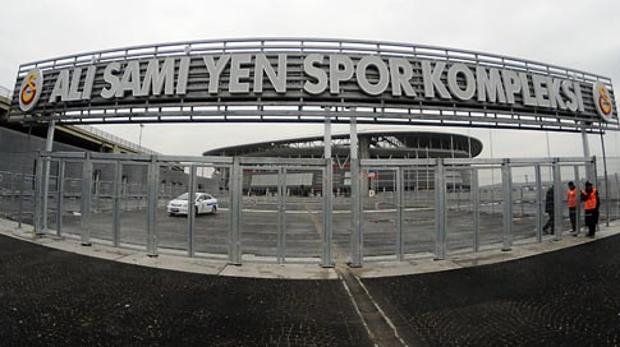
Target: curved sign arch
307 80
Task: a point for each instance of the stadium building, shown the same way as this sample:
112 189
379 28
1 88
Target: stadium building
372 145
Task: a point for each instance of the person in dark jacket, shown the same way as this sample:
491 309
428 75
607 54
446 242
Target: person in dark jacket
548 228
591 204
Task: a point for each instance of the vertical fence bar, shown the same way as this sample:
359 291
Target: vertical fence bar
116 196
191 205
49 144
328 199
356 224
400 202
476 210
235 209
539 203
507 220
557 200
607 202
20 203
440 210
36 195
578 207
87 177
60 196
281 181
151 207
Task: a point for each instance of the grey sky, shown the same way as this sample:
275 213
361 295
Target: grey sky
576 34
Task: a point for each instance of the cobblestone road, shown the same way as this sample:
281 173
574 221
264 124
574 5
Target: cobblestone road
53 298
569 297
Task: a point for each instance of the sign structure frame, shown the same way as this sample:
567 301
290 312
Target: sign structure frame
298 80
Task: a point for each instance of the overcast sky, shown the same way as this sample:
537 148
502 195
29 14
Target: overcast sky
576 34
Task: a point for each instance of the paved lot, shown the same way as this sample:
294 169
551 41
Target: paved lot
568 297
53 298
303 230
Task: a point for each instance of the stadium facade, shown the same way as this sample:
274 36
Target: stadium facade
372 145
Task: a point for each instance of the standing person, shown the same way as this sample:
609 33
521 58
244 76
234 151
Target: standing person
549 210
571 199
591 207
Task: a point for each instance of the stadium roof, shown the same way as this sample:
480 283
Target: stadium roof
381 144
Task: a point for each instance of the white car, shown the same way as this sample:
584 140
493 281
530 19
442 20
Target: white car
203 203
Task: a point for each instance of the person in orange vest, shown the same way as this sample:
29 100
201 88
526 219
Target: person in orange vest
591 204
571 199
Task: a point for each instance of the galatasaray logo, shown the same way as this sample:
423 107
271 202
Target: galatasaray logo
30 90
602 101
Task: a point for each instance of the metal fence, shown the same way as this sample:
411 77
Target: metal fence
124 201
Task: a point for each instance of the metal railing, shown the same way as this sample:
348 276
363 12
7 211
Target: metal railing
490 203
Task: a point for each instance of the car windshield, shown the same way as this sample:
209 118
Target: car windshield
184 196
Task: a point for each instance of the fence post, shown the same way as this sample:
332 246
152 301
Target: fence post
440 210
578 207
539 203
87 176
36 195
281 191
151 206
557 200
60 198
356 224
474 187
116 196
235 215
400 202
507 224
190 210
328 199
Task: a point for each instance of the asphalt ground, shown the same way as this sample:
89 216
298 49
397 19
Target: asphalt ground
55 298
563 298
303 230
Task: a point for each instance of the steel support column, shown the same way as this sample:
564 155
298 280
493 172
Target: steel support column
578 208
586 153
507 220
191 206
400 203
151 206
557 200
281 191
60 198
326 258
440 211
116 205
607 202
87 177
539 203
235 213
356 215
36 194
474 187
49 145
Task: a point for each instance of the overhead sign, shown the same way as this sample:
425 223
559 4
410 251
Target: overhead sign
602 101
373 75
382 84
30 90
